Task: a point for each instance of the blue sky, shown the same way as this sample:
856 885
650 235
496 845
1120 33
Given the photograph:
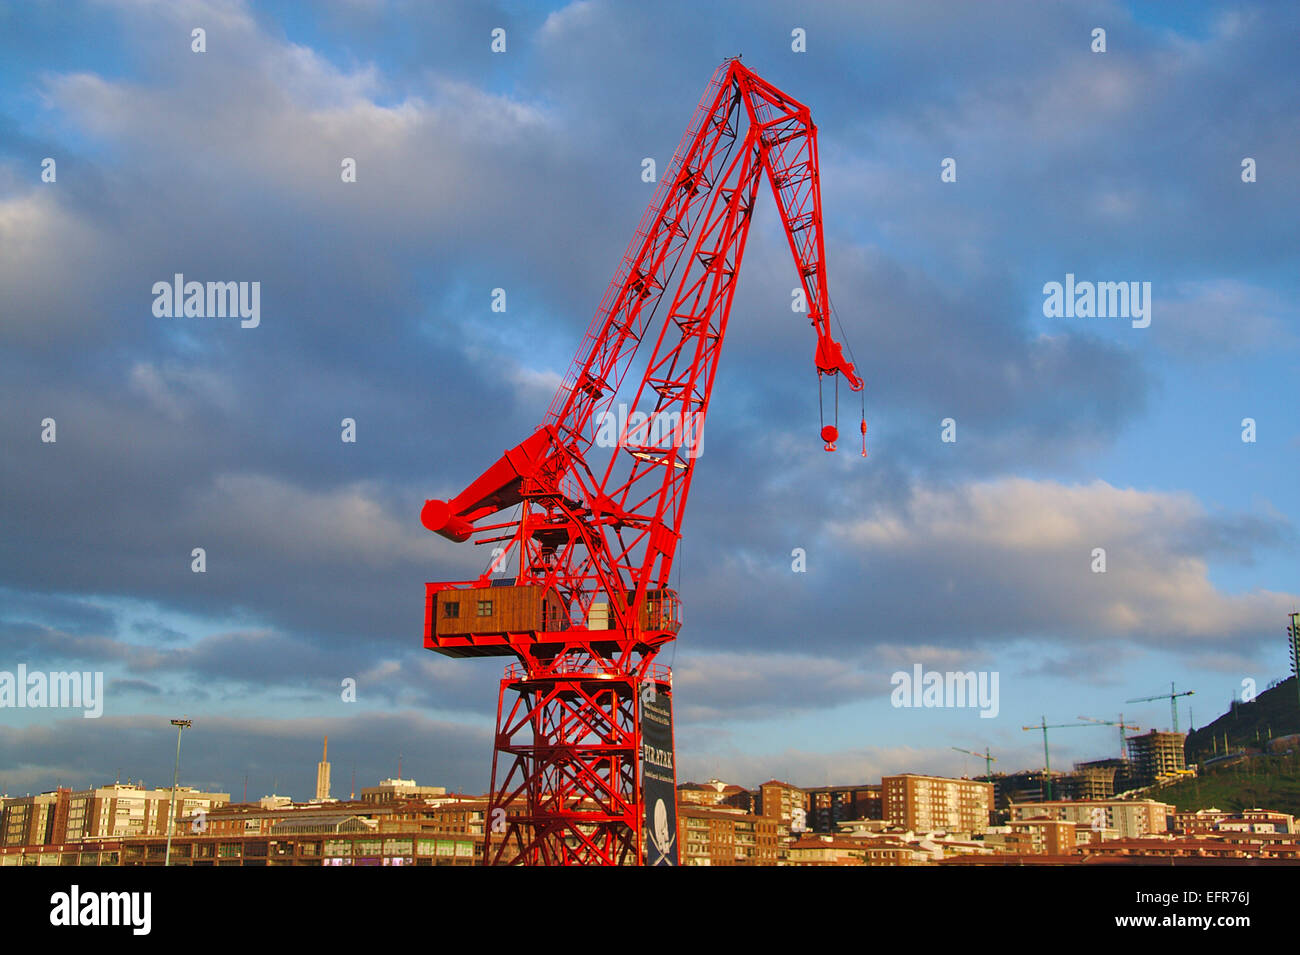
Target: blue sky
522 170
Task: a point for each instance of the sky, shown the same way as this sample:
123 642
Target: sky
522 170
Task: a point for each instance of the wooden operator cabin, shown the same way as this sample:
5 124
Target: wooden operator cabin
485 621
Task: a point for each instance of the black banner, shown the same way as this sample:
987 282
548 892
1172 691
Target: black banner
658 776
1225 899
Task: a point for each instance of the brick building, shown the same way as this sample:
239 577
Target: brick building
1247 820
714 793
725 837
784 803
926 803
1053 837
828 806
107 812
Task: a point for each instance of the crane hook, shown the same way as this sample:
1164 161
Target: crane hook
830 433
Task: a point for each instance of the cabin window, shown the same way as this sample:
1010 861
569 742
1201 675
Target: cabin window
485 608
451 609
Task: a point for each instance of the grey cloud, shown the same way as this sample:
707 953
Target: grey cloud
116 687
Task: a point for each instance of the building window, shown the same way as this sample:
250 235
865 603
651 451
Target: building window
485 608
451 609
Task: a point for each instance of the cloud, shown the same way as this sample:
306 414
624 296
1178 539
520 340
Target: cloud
838 767
346 524
1015 557
741 686
52 264
133 686
174 389
1208 320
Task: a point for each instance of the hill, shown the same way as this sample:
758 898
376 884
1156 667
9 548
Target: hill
1252 781
1274 713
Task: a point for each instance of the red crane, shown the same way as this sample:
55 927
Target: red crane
600 496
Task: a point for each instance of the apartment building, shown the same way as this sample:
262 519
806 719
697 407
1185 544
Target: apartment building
390 790
1223 851
725 837
27 820
106 812
1052 837
828 806
827 850
784 803
1126 818
1248 820
714 793
927 803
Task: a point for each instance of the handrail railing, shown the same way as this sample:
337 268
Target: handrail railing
589 667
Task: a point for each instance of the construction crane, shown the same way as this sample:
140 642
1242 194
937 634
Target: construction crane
989 760
1047 756
1172 696
582 769
1123 748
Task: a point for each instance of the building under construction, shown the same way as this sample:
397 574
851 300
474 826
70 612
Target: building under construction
1024 786
1155 756
1097 779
